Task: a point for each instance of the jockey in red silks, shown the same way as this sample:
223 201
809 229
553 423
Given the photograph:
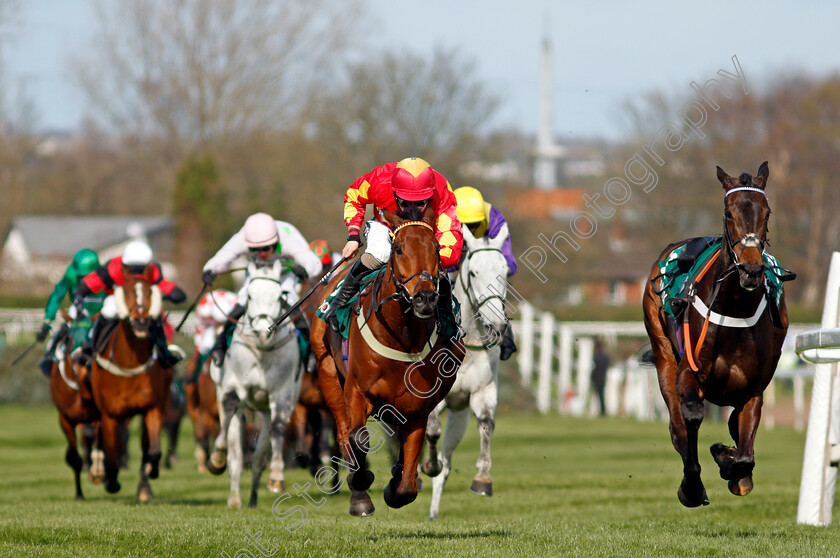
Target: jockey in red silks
136 259
263 240
405 188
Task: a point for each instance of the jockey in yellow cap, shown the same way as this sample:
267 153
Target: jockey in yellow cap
484 220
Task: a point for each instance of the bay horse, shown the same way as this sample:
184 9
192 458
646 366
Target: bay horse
127 380
75 406
398 367
202 407
739 339
482 287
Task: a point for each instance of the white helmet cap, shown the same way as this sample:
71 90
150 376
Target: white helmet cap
260 230
137 252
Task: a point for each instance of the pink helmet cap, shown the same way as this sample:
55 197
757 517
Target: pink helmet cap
260 230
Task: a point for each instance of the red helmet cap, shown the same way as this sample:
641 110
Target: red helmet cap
413 179
321 248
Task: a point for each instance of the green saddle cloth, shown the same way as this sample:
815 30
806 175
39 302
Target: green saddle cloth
673 283
448 320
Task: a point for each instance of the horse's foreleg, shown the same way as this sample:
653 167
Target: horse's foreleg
456 425
356 450
72 457
736 464
259 458
235 457
228 406
153 421
280 414
483 404
402 489
112 445
432 466
692 493
334 398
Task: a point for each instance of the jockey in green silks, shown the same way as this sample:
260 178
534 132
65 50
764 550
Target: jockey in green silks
84 262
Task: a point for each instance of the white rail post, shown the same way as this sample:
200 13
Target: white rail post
564 373
526 343
546 342
819 476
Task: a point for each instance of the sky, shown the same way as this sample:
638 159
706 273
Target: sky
604 52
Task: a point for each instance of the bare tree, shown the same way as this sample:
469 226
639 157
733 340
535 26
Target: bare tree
194 72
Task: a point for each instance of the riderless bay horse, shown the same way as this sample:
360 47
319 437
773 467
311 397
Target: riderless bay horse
398 367
75 406
481 287
739 335
261 374
127 380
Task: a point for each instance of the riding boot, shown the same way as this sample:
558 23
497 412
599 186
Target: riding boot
45 364
220 347
165 357
508 346
448 322
349 289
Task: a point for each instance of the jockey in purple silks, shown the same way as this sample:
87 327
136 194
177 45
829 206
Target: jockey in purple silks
484 220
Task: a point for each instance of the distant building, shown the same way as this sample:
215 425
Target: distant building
39 248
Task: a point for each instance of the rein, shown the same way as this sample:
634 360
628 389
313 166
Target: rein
476 306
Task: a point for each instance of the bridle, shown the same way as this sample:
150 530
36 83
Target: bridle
283 303
476 306
750 240
401 289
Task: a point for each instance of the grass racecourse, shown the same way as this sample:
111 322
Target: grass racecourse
563 487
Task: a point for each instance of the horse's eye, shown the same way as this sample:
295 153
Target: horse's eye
398 248
727 214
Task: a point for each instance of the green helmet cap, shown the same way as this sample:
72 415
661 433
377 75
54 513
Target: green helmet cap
85 261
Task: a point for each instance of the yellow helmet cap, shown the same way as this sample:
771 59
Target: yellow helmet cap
470 208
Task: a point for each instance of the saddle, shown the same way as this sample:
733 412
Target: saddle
345 312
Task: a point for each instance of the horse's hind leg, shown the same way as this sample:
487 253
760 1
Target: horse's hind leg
483 404
72 457
736 464
229 404
259 459
456 425
235 457
281 411
432 466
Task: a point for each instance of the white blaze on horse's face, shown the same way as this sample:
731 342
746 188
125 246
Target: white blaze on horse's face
484 277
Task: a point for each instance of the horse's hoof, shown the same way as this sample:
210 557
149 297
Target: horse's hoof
95 477
360 504
202 468
276 485
741 487
80 498
394 500
234 502
360 483
723 457
112 487
433 517
144 494
217 463
697 500
432 469
482 488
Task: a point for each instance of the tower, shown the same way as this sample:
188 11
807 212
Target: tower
546 153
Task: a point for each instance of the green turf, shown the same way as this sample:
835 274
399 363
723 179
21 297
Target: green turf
563 487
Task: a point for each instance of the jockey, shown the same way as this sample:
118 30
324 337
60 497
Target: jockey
405 188
264 240
136 259
321 248
212 312
484 220
83 263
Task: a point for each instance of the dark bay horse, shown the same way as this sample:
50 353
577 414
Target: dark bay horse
203 409
401 389
75 406
127 380
733 335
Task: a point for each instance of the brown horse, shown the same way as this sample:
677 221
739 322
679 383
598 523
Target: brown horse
400 389
738 337
127 380
75 406
203 409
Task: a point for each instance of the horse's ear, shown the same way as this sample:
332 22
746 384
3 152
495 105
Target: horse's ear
727 181
762 176
501 236
469 239
389 218
429 215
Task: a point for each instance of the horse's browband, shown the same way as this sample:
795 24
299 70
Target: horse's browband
745 189
410 223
